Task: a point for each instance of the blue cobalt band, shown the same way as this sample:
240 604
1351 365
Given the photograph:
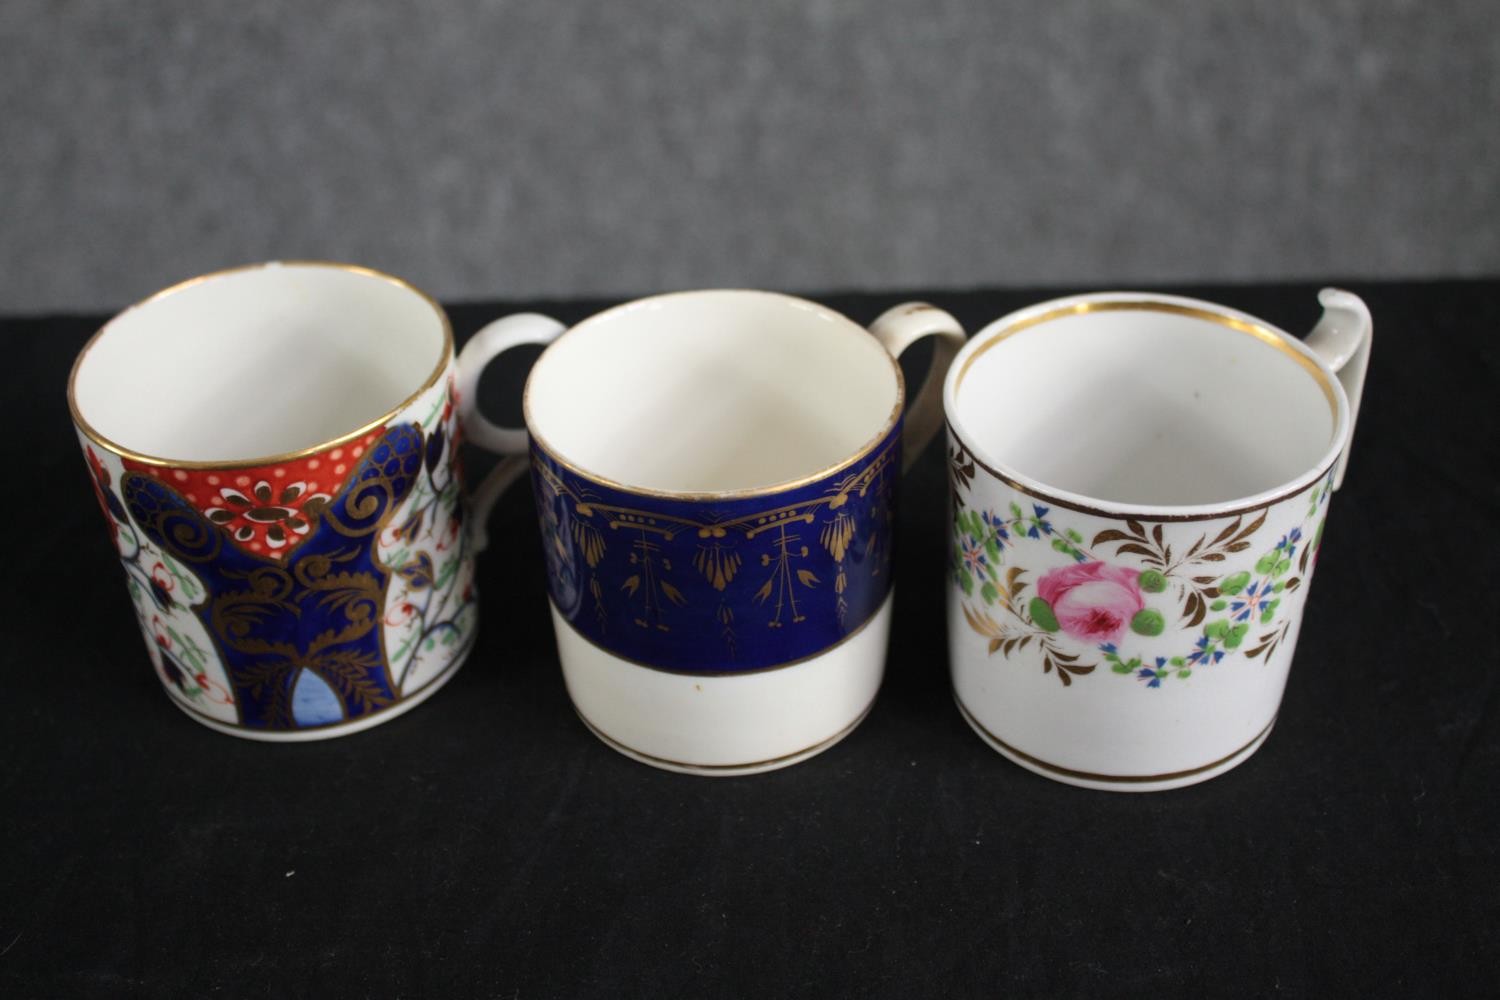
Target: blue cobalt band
720 586
301 638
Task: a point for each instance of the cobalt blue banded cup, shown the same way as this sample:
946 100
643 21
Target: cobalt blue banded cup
714 474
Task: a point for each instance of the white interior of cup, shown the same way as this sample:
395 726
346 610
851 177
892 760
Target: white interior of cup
711 392
1153 402
257 362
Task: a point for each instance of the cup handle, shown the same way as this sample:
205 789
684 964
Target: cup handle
897 329
1342 339
509 442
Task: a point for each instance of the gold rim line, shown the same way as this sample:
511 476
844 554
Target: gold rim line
582 496
1115 515
1259 331
887 599
892 421
1233 506
444 360
1121 779
786 758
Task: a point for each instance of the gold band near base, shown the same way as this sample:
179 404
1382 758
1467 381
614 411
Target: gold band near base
725 770
1121 779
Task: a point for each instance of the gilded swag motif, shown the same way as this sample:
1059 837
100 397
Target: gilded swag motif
753 583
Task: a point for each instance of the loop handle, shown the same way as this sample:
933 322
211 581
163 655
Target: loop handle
510 442
897 329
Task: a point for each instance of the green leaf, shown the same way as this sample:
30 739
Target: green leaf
1148 622
1266 563
1042 616
1059 545
1218 605
1237 582
1015 509
1236 635
1121 668
1216 630
1281 567
1153 581
989 593
1075 536
966 581
1177 661
1269 612
992 550
1185 673
1279 587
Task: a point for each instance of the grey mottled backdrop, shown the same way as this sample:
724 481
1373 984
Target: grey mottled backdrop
546 147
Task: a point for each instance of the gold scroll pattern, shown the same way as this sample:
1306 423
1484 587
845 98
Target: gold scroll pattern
718 556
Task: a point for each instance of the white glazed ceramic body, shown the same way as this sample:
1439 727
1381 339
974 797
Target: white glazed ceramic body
725 725
1139 488
274 449
714 474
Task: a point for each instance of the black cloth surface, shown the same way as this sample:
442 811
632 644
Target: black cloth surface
487 845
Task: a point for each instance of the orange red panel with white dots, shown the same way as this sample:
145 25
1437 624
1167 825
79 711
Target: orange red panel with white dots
269 510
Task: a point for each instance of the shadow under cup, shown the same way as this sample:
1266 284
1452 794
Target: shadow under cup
1139 489
714 474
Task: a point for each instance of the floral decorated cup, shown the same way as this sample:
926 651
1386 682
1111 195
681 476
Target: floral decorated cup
275 451
1139 485
714 473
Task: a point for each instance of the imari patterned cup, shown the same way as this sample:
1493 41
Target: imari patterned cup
1139 486
714 474
275 451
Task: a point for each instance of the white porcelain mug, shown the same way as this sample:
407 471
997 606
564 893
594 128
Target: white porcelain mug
1139 487
714 475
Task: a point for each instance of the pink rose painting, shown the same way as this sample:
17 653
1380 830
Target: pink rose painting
1092 600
